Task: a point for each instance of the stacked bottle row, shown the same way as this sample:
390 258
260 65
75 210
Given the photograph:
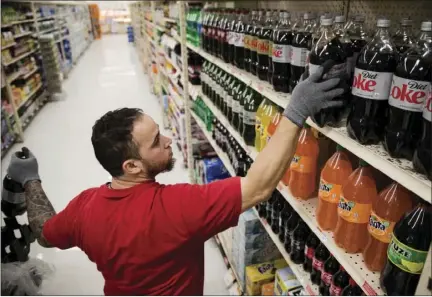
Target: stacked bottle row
305 248
390 98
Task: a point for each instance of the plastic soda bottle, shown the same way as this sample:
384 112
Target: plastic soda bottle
266 119
392 203
333 176
302 182
271 129
354 208
258 123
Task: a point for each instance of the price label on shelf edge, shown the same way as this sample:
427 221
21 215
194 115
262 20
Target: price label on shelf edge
368 289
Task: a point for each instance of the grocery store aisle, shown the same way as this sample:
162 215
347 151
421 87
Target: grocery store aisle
107 77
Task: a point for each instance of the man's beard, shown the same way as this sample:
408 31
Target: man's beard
155 169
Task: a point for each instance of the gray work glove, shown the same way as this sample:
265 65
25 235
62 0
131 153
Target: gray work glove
313 94
23 170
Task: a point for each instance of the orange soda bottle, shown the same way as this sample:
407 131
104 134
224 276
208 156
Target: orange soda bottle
271 129
334 174
354 208
392 203
303 167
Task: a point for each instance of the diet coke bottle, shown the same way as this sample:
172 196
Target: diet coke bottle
410 88
371 87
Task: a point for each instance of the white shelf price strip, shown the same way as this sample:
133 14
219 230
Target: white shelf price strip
400 170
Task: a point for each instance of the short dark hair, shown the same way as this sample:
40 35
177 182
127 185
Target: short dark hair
112 139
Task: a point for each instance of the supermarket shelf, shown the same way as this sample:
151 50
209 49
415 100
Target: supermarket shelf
353 263
27 75
48 30
23 102
302 276
8 46
46 18
23 34
17 23
38 104
7 148
12 77
400 170
19 58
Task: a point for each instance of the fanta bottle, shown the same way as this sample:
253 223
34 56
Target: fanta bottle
354 208
392 203
271 129
266 119
286 177
302 182
258 122
334 174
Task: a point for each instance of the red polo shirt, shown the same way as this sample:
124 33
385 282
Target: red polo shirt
148 239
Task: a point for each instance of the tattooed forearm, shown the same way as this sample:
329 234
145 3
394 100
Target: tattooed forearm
39 209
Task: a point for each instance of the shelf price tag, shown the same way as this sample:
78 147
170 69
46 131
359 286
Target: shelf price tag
309 290
368 289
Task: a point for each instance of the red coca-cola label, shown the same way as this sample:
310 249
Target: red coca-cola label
371 85
408 94
263 46
326 277
427 109
335 290
317 264
309 252
253 43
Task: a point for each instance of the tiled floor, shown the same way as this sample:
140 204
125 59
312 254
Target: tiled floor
107 77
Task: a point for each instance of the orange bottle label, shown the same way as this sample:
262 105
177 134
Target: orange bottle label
329 192
380 228
301 164
354 212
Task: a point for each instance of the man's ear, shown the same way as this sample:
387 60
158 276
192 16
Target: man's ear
132 167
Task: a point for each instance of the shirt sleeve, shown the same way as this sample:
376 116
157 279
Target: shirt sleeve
207 210
59 230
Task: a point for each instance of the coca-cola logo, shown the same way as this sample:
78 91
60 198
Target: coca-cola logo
412 92
277 51
263 46
365 81
254 43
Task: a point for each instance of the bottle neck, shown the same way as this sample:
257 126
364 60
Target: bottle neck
383 33
426 36
406 30
327 32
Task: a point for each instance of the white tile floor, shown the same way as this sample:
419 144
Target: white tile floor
107 77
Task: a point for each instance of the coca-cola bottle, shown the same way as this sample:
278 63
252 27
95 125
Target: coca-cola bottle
329 47
269 206
248 39
214 33
331 266
422 156
371 87
289 227
301 45
347 44
284 215
231 35
236 103
254 42
281 53
403 38
263 45
358 36
204 29
352 289
278 206
222 34
320 256
312 243
298 242
277 16
410 88
240 29
339 281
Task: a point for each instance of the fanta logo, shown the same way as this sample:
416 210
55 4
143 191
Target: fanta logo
407 92
295 159
374 222
325 187
346 205
263 268
365 81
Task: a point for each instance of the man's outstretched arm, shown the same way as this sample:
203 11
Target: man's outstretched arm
39 209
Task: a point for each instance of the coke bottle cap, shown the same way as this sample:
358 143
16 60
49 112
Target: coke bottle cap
406 22
286 14
426 26
308 16
327 22
383 23
268 13
339 19
359 18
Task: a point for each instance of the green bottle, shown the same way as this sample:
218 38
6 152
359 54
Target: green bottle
250 109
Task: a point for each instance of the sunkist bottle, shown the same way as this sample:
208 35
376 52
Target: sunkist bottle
248 39
301 45
254 42
249 118
392 203
258 117
330 268
263 45
407 252
302 182
333 176
339 281
311 244
409 89
320 256
329 47
298 242
423 154
281 54
371 87
266 119
354 208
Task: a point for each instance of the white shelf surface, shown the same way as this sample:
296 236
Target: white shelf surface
400 170
353 263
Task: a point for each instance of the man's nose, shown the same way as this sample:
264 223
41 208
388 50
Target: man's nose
169 141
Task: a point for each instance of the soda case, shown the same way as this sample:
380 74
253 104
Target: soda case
260 274
410 88
371 87
285 281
